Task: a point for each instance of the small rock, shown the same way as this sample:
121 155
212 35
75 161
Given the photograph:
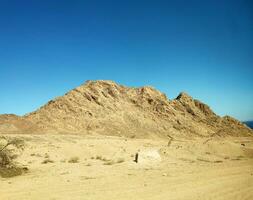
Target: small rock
165 174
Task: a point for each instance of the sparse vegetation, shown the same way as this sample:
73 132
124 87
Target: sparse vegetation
102 158
74 160
218 161
108 161
98 157
111 162
36 155
47 160
8 152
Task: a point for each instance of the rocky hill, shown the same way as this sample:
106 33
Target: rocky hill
104 107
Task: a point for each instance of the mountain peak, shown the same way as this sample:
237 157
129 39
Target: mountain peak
99 82
183 96
105 107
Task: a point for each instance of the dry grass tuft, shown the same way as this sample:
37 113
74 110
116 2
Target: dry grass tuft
47 160
112 162
102 158
73 160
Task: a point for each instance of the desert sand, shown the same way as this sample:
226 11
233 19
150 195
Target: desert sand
103 167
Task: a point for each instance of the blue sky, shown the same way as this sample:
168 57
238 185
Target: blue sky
205 48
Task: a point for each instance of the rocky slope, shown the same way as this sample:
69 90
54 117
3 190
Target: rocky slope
105 107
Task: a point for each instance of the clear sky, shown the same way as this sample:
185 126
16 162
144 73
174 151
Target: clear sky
203 47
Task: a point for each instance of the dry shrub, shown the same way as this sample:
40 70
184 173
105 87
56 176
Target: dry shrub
12 171
36 155
8 153
99 158
47 160
74 160
102 158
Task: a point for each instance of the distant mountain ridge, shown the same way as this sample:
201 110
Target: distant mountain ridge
104 107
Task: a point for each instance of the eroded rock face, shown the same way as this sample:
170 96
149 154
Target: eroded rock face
105 107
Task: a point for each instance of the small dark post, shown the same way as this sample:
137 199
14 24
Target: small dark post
136 157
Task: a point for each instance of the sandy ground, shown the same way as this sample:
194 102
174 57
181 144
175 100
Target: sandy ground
102 167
